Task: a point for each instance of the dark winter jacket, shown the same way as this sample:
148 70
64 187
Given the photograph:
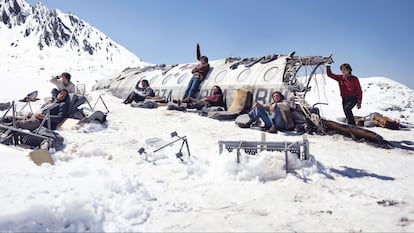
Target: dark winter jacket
145 92
58 113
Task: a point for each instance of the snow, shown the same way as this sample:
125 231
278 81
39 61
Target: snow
101 183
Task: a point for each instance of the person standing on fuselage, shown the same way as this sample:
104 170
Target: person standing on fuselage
350 90
199 74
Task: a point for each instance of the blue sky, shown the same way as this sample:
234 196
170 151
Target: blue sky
375 36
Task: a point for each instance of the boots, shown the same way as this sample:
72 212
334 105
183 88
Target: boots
178 102
244 125
186 100
272 130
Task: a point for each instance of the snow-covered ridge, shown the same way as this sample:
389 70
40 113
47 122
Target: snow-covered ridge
36 32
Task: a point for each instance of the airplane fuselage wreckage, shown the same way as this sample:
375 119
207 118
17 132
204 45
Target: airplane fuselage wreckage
260 75
289 74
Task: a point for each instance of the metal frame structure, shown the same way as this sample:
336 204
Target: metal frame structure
179 155
10 135
81 90
300 148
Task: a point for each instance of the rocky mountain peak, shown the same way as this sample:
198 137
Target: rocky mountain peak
13 12
37 28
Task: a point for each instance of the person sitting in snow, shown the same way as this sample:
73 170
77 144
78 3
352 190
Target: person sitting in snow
141 93
215 99
199 74
276 116
62 82
58 110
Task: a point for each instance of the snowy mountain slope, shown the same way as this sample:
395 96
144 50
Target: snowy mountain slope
36 38
100 183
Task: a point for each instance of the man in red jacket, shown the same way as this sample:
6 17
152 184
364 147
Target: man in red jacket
350 89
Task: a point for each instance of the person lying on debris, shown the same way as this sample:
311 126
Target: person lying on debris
58 112
141 93
377 119
62 82
276 116
215 99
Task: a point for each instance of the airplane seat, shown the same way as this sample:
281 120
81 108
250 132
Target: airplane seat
241 104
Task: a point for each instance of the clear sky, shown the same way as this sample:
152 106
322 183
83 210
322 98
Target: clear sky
375 36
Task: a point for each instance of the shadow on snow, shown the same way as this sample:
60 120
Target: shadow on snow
358 173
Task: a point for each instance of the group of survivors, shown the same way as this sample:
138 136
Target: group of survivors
275 117
56 107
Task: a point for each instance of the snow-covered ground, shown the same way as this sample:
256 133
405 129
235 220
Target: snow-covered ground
101 183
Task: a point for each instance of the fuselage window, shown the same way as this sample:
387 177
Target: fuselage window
168 77
154 78
220 76
243 75
271 73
